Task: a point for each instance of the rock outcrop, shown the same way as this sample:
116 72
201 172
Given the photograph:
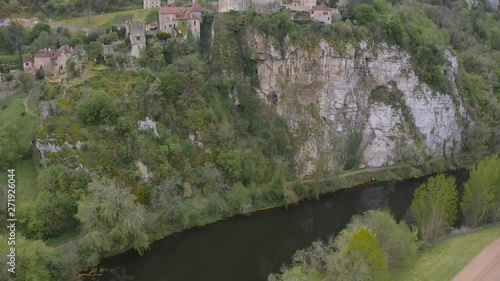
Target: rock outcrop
324 93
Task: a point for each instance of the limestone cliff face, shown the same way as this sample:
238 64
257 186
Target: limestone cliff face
324 93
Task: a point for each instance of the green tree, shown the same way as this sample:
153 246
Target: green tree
231 164
55 178
397 242
15 37
98 107
358 257
393 27
25 82
434 206
153 57
112 221
40 74
171 82
366 14
239 196
108 38
3 39
33 260
152 17
94 50
298 273
36 30
481 199
163 36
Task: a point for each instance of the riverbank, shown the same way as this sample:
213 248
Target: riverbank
329 184
445 258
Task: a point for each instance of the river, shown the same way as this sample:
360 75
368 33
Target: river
248 248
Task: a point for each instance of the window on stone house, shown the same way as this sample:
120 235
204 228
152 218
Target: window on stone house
328 18
169 25
138 38
194 23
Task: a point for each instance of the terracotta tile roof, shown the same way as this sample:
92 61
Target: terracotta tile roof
184 15
26 59
172 9
196 7
321 8
67 49
44 53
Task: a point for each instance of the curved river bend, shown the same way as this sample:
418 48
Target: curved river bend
249 248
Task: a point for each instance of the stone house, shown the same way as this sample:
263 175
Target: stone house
27 63
300 5
53 61
137 35
177 20
148 4
324 14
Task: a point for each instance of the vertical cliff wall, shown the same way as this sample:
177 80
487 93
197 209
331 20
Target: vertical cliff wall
358 101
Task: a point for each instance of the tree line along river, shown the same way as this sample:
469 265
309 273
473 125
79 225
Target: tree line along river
249 248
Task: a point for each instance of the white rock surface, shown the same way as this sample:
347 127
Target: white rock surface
48 145
324 95
146 175
147 125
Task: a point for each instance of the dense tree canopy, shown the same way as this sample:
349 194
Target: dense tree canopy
111 219
481 200
434 206
98 107
371 244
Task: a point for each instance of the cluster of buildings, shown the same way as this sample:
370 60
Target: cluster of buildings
180 20
53 62
172 17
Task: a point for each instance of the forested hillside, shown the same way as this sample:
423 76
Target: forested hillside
188 134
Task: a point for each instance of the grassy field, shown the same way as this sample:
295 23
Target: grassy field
444 259
106 20
12 114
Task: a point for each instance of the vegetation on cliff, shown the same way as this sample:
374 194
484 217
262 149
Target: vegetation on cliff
186 140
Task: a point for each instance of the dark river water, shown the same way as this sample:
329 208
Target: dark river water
248 248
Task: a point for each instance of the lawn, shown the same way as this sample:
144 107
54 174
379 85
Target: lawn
444 259
12 114
96 70
107 20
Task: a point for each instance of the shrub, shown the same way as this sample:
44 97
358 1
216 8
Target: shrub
40 74
98 107
366 14
397 242
9 77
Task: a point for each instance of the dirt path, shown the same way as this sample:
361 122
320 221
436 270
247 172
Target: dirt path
368 170
484 267
25 102
66 242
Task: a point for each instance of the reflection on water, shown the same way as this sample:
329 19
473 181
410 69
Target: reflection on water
249 248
